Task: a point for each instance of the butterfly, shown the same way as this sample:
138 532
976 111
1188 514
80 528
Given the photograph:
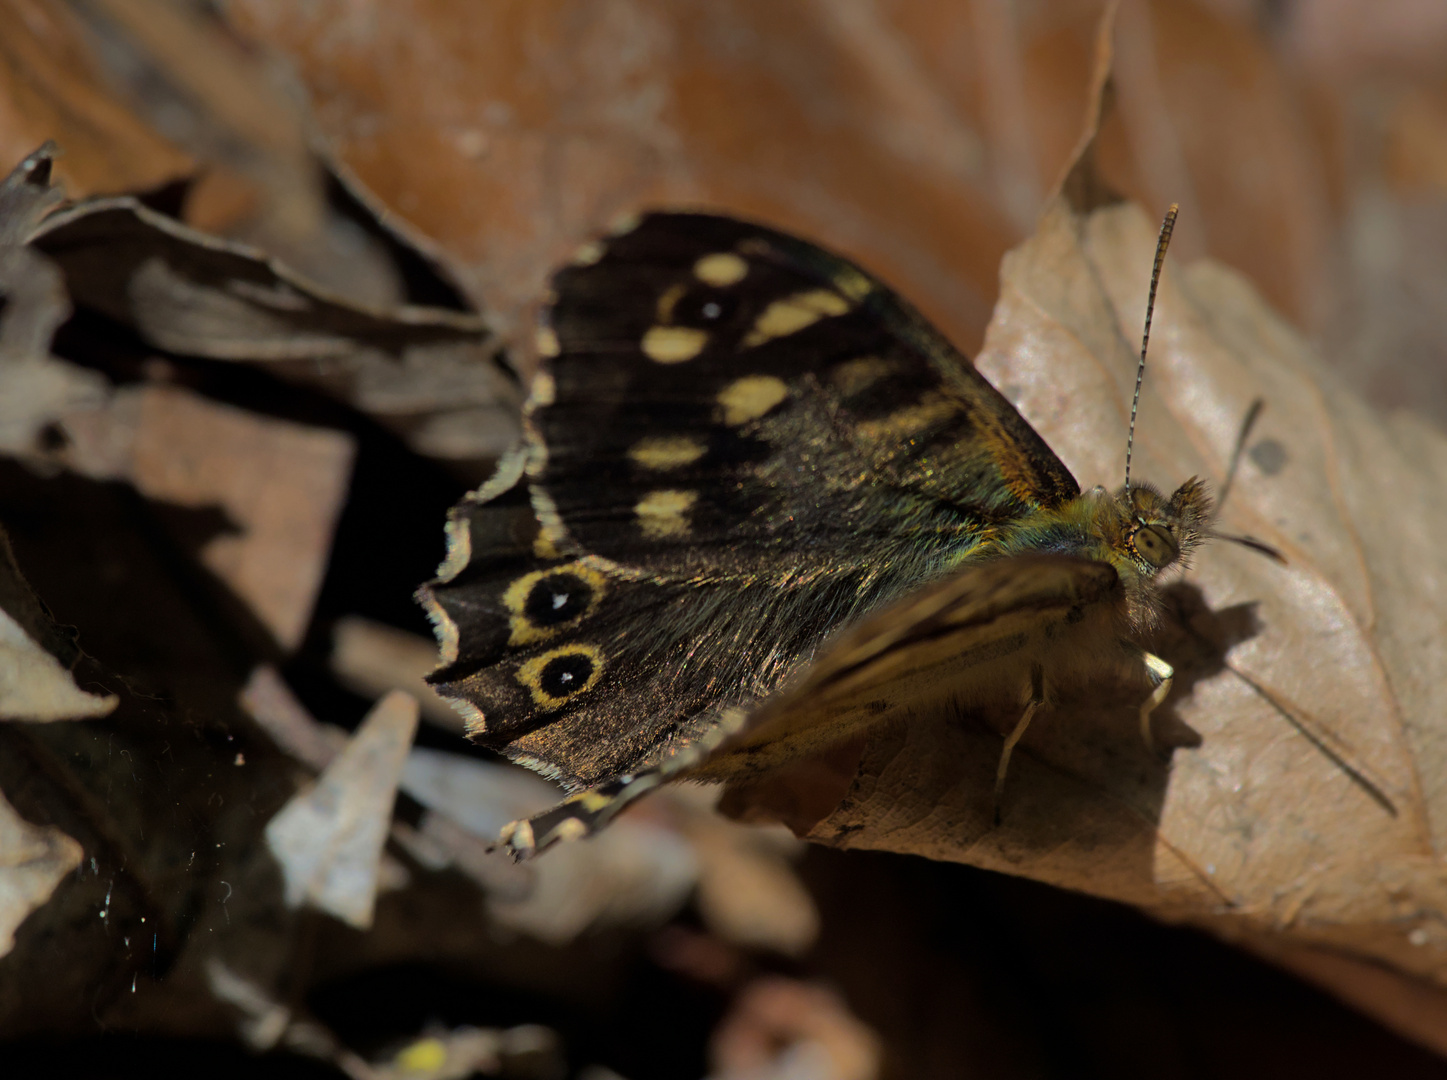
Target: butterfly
753 474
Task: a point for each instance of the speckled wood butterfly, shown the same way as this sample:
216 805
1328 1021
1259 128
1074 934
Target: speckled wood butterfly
750 467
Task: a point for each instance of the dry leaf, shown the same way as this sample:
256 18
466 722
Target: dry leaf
371 658
512 132
36 389
329 838
1300 805
781 1029
279 485
432 376
49 89
33 860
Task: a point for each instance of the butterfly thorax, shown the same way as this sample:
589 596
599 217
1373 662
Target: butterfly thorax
1139 531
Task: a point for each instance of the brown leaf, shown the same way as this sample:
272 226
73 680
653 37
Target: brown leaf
277 486
513 132
1300 805
50 89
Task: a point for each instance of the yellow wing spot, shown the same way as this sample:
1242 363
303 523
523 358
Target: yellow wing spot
588 254
624 223
794 313
546 342
523 630
930 410
673 344
550 522
559 675
859 374
664 452
750 397
667 299
853 284
662 513
568 830
544 389
592 801
721 269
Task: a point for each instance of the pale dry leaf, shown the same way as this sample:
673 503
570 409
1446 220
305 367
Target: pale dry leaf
749 893
33 860
783 1029
432 376
328 839
33 684
269 701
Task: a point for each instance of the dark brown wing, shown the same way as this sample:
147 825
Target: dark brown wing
737 443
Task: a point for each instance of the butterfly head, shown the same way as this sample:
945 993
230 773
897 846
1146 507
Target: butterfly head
1141 531
1152 531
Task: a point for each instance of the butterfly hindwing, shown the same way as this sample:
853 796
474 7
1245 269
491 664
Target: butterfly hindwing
736 444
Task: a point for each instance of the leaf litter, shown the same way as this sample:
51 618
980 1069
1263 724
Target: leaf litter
1298 812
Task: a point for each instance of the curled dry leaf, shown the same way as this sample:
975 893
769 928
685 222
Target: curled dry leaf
1302 807
36 389
433 376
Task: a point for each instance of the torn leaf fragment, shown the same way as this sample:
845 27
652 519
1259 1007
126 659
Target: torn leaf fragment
328 838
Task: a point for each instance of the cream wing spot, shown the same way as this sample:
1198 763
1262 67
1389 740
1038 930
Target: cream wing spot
663 514
853 284
667 300
857 375
663 452
930 410
794 313
721 269
544 390
750 398
673 344
588 254
546 342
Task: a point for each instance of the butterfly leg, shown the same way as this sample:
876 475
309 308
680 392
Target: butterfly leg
1037 698
1162 674
579 815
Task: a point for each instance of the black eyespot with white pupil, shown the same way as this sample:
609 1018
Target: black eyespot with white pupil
565 675
557 599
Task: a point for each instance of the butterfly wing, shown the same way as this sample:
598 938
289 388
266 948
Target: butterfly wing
967 639
971 638
736 443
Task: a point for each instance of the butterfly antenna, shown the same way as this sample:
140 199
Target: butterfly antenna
1167 227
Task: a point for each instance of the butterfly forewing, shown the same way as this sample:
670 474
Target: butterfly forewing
737 444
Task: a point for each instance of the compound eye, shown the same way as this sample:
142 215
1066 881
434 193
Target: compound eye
1156 545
